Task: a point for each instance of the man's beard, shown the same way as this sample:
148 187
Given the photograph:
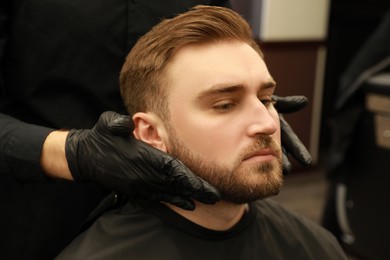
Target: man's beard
240 183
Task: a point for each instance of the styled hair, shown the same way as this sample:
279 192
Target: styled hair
144 84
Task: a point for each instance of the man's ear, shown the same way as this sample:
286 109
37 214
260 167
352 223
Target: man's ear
149 129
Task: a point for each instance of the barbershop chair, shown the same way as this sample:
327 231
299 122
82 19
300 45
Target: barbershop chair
362 197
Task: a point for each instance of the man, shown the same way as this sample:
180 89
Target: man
198 88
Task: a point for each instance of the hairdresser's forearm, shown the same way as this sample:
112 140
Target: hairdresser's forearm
53 160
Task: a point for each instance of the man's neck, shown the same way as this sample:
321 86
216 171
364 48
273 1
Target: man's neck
220 216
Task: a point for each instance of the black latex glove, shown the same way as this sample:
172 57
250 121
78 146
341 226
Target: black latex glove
109 155
290 141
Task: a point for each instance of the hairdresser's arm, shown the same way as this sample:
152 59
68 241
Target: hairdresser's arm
20 149
53 160
107 154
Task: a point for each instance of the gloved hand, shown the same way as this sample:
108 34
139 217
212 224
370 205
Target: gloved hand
109 155
290 141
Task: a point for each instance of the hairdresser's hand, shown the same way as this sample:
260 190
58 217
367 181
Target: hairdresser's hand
109 155
290 141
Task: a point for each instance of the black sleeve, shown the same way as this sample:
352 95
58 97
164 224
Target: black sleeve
20 149
20 143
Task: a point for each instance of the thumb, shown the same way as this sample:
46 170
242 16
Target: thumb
289 104
116 124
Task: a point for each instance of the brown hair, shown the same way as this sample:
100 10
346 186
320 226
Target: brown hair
143 81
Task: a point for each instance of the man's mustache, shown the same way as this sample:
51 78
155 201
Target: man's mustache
263 142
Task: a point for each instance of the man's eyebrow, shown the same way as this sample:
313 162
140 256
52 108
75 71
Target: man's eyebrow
220 89
268 84
226 88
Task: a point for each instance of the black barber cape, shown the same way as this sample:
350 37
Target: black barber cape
149 230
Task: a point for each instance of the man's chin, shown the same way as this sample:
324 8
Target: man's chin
261 182
245 197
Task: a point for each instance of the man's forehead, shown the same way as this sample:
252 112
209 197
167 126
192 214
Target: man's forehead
223 64
194 53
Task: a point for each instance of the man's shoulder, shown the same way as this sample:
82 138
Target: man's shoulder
124 228
271 212
296 232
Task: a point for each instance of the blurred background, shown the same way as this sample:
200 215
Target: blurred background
336 53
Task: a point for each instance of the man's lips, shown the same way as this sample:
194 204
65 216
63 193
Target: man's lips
262 153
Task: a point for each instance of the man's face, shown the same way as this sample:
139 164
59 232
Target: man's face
223 124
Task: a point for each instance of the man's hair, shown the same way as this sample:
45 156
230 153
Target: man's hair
143 81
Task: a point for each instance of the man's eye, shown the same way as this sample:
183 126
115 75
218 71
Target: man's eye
267 102
224 106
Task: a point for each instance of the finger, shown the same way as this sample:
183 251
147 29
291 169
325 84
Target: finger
286 164
207 195
289 104
292 144
181 180
105 119
190 185
180 202
116 124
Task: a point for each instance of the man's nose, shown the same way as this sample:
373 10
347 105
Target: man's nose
262 120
